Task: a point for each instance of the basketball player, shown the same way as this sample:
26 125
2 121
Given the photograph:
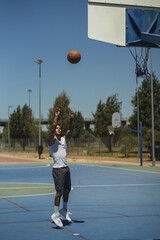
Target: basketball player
60 171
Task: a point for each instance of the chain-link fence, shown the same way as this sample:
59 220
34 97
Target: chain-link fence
90 146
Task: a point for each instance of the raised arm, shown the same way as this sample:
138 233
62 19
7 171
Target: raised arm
69 132
51 139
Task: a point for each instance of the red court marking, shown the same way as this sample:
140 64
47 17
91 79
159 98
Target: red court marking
36 221
15 204
79 181
70 231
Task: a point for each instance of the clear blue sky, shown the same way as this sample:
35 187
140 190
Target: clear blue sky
49 29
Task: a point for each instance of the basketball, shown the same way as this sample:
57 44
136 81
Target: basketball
74 56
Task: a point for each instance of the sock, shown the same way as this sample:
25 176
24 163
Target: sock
65 206
56 210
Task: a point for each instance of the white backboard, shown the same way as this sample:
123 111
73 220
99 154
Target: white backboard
145 4
107 24
116 120
107 19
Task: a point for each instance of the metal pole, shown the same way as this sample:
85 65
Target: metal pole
141 151
9 127
152 109
39 61
8 131
29 90
138 119
40 104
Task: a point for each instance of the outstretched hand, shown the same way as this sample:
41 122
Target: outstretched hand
57 112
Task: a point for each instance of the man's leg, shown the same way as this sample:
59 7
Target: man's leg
59 190
64 210
57 202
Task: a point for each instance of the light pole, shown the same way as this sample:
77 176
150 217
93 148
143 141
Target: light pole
39 61
9 127
29 90
152 110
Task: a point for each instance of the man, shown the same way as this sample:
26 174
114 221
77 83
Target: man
60 171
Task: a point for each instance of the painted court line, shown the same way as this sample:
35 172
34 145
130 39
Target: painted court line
27 187
75 234
25 167
119 185
15 204
45 220
33 195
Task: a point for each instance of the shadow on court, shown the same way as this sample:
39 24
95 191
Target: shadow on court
106 203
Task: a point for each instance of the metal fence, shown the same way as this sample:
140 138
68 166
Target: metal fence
75 147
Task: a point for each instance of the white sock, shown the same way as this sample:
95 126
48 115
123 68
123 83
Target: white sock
65 206
56 210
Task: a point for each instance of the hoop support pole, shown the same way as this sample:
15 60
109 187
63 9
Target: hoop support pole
140 133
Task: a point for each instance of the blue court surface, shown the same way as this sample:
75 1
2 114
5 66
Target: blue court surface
106 203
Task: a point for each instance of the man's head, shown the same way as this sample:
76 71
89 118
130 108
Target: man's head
58 130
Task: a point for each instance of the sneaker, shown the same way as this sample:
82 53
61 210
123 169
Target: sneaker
65 214
57 220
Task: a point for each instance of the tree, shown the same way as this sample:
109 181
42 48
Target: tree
145 116
103 118
78 126
144 92
22 125
62 102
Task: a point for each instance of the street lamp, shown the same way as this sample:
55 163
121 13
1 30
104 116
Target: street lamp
39 61
29 90
9 127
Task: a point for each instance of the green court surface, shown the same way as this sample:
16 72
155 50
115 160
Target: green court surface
9 189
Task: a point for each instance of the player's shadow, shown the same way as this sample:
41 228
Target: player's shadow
78 221
67 223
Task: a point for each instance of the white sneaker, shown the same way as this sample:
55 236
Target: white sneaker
65 214
57 220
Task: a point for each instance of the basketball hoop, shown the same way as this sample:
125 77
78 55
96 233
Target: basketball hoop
110 130
141 62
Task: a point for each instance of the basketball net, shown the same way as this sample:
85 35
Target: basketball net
141 62
110 130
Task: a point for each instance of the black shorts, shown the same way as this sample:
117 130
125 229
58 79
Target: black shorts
62 179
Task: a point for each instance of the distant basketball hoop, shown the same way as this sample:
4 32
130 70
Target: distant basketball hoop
116 120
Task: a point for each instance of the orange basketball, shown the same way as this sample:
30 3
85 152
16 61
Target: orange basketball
74 56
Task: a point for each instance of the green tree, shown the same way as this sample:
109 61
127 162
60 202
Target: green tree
145 116
61 102
22 125
128 141
103 118
144 92
78 125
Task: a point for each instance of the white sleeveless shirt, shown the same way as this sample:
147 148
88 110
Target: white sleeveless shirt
58 153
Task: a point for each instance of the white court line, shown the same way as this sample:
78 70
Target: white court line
119 168
92 186
33 183
27 187
82 186
33 195
119 185
10 168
